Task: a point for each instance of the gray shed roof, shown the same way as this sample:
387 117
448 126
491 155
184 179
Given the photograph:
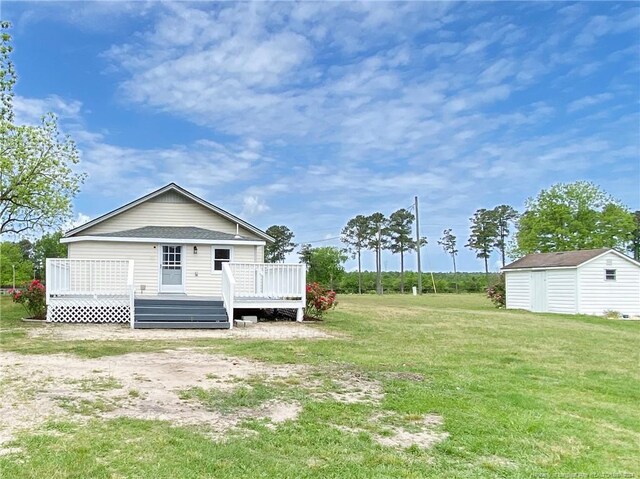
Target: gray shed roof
174 232
557 260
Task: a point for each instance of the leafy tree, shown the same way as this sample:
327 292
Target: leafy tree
398 232
37 177
355 235
305 253
26 247
503 216
634 244
275 252
448 242
11 256
7 73
48 246
324 264
484 232
377 241
573 216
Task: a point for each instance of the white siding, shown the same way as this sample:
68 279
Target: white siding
518 286
200 280
166 210
561 290
598 295
144 255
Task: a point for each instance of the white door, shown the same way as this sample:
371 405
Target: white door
171 269
539 291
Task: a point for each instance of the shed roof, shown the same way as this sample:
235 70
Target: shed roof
173 233
557 260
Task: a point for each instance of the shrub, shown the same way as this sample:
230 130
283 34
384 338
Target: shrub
319 301
33 298
497 293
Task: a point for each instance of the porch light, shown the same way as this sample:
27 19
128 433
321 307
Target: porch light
195 250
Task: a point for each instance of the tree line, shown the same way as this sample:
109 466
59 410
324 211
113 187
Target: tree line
563 217
26 258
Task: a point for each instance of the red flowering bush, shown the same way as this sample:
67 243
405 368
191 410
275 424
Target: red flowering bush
497 293
319 300
33 298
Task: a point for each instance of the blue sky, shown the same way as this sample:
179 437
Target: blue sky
306 114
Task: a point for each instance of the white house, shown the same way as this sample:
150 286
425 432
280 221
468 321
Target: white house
168 259
585 281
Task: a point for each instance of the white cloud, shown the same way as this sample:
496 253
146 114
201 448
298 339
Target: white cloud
252 206
588 101
30 110
78 220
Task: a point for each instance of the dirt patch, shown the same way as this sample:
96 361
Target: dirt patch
426 435
152 386
187 386
138 385
117 332
352 387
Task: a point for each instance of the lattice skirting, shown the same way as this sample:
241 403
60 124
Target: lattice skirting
89 310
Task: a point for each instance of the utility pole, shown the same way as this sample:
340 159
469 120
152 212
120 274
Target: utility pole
13 266
418 247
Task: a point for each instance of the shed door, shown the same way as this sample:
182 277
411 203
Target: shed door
539 291
171 269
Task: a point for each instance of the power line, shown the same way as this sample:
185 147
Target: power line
320 240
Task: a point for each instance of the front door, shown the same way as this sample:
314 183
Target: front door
171 269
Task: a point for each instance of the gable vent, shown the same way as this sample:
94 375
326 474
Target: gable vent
170 197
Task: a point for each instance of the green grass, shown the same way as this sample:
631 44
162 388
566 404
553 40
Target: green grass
521 395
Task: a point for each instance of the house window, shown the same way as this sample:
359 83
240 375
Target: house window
610 274
220 255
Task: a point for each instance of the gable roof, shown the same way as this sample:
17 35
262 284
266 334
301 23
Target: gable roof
565 259
164 189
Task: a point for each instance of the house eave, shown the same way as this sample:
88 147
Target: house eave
536 268
122 239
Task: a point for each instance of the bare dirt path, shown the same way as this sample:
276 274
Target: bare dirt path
117 332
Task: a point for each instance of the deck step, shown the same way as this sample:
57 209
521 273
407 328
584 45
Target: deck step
178 302
180 313
182 325
178 310
181 317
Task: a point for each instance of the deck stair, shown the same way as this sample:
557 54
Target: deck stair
180 313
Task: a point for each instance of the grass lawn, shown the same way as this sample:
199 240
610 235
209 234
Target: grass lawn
519 394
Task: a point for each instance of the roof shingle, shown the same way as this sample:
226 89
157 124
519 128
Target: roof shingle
173 233
555 260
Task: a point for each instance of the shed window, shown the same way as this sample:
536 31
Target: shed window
610 274
220 255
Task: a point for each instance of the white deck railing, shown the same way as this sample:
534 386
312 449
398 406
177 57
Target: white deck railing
90 290
82 277
269 280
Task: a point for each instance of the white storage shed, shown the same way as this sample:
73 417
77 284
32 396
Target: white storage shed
585 282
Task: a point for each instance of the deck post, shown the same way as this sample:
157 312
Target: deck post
47 276
132 302
303 292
